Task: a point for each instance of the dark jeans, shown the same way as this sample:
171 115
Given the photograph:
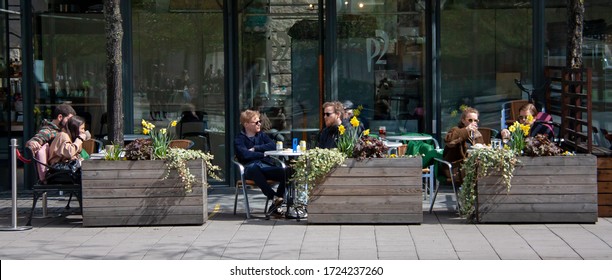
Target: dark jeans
261 173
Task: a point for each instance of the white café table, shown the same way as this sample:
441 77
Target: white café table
290 188
399 138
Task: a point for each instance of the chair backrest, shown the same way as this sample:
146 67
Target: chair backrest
515 106
181 143
191 128
487 134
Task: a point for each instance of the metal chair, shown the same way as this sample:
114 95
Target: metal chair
180 143
92 146
243 183
45 180
452 181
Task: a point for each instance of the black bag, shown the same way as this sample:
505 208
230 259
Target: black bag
64 173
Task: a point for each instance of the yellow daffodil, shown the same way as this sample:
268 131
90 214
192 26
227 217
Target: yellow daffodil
512 129
354 122
341 129
163 131
366 132
529 118
145 131
173 123
143 123
392 155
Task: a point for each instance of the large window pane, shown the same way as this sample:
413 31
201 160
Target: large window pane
484 47
178 70
381 56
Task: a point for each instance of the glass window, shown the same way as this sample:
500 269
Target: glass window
381 56
484 47
279 69
178 62
70 60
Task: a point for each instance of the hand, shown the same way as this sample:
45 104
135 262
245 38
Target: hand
83 136
33 145
252 149
87 134
505 133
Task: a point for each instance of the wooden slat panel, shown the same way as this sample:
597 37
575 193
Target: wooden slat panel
363 205
144 220
365 218
380 181
538 198
143 201
378 171
538 207
536 189
604 211
604 199
367 190
604 163
382 162
152 210
539 217
140 192
604 187
543 179
577 160
604 175
554 170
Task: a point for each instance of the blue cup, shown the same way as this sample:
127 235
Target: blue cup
295 145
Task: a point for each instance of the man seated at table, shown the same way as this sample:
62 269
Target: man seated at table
250 145
51 128
333 113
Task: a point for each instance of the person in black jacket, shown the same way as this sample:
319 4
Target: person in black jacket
250 146
540 122
332 116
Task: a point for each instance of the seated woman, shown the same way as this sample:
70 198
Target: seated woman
67 145
459 139
539 122
250 146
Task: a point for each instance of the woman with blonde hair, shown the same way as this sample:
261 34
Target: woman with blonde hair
460 138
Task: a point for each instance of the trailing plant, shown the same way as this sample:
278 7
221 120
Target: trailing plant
177 158
114 153
311 167
480 163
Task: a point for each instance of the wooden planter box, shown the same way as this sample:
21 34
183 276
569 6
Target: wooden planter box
604 186
387 191
560 189
132 193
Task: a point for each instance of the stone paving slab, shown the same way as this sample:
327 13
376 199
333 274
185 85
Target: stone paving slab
442 236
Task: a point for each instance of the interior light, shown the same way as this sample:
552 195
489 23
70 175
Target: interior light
361 5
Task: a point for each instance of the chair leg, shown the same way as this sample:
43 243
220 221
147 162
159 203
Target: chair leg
247 208
236 199
433 201
35 196
69 199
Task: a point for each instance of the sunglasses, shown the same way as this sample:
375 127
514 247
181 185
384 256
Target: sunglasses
473 120
256 123
327 114
522 118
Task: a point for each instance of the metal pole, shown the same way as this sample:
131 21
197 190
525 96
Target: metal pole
14 189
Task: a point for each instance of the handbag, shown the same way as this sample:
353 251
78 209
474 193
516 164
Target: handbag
68 172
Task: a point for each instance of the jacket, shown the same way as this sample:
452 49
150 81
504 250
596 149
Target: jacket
261 142
456 143
47 133
328 137
62 149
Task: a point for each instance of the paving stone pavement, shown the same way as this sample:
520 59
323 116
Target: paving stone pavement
442 236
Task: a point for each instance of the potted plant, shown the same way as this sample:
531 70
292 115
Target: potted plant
544 186
362 185
151 184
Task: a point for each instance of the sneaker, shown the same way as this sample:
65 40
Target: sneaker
295 211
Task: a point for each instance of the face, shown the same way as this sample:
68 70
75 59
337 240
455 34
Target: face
63 120
82 129
330 116
523 117
253 126
470 118
348 113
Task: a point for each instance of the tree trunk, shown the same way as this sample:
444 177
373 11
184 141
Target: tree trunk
114 36
575 21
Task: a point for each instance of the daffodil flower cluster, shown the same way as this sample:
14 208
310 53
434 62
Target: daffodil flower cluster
518 133
349 136
160 138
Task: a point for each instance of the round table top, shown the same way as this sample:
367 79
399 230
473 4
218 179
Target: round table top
393 144
285 152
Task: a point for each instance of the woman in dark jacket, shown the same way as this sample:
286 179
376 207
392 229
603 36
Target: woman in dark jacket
250 146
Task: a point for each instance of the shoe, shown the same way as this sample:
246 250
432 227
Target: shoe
295 211
276 204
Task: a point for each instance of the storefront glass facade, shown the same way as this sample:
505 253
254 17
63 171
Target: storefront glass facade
411 64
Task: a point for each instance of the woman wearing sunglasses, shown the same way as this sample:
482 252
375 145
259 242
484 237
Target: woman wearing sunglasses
460 138
540 123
